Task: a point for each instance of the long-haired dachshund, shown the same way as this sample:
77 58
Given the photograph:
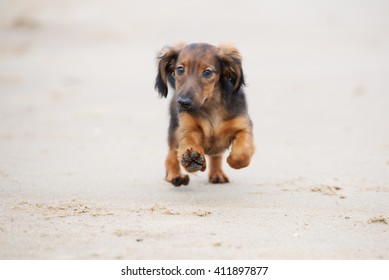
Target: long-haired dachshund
208 111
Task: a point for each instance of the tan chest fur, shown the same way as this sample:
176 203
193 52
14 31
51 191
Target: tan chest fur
212 131
216 135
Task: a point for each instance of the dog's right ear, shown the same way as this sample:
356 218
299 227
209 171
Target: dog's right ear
166 62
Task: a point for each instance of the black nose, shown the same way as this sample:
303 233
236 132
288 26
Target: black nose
185 102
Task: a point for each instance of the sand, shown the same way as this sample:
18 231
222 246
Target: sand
83 134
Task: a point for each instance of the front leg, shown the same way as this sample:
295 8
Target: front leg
242 149
190 149
173 172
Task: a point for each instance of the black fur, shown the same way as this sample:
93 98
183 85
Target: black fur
165 70
235 102
160 85
173 125
172 81
231 75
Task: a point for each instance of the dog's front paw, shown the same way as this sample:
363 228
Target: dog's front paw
239 161
179 180
193 161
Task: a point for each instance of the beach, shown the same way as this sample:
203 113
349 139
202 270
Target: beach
83 133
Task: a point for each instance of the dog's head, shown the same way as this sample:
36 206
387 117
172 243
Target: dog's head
197 70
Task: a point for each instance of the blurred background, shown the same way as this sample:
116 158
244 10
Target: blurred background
77 77
83 134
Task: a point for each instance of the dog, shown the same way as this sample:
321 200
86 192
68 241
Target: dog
208 111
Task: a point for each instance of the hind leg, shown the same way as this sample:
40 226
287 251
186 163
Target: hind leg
216 174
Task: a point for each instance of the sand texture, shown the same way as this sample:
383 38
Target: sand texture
83 134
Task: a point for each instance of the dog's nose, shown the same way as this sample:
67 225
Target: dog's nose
185 102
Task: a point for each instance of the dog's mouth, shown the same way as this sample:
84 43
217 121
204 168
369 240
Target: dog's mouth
185 108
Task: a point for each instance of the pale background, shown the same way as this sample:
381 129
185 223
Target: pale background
83 134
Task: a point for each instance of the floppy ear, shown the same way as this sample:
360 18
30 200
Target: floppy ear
166 61
231 66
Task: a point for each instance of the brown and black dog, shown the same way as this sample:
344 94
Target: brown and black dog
208 112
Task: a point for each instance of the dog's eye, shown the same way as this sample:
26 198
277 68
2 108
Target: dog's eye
180 70
207 73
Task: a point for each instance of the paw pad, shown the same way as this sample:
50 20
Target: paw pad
193 161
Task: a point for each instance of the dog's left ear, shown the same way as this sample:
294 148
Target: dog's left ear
166 62
231 66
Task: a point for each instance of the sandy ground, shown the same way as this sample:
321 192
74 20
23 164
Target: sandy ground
83 134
